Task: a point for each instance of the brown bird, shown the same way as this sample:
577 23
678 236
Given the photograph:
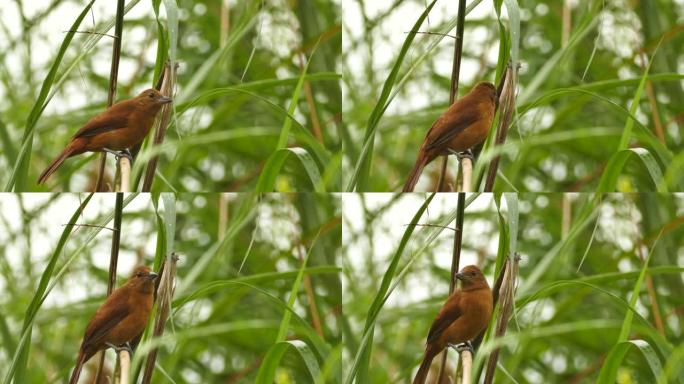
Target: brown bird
464 125
464 315
121 318
122 126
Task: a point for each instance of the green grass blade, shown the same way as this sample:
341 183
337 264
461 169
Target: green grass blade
19 175
609 180
275 163
362 167
285 324
627 133
362 358
20 358
285 132
614 359
272 360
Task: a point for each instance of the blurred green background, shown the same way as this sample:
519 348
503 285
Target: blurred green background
239 66
581 259
581 67
239 260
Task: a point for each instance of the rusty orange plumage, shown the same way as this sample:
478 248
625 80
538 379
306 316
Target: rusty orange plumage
122 126
465 314
464 125
121 319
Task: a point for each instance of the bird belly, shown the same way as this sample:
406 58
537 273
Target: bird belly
126 330
116 140
473 135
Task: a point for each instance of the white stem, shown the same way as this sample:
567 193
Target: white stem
467 366
467 174
124 175
124 363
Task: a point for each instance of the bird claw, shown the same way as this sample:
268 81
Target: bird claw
125 347
462 347
119 154
467 154
125 153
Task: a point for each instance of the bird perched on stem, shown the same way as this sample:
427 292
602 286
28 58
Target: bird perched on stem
122 126
464 125
464 315
121 318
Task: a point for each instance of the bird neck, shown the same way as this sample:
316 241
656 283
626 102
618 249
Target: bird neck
474 286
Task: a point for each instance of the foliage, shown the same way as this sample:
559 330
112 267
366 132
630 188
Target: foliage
241 85
241 282
594 81
599 283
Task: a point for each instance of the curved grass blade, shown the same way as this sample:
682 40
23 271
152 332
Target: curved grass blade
19 175
617 354
608 182
20 358
272 360
275 163
362 168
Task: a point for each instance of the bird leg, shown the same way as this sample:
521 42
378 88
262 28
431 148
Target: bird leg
463 347
467 154
124 347
119 154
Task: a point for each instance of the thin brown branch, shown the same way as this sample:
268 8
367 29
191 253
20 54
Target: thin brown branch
113 79
308 92
507 100
164 295
113 262
455 70
455 263
169 81
652 295
507 293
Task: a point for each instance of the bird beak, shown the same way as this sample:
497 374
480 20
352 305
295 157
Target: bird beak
165 100
459 276
152 276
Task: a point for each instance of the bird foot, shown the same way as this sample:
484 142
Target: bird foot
125 153
119 154
463 347
124 347
467 154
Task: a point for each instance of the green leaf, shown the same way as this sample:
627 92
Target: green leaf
20 359
617 354
609 180
362 167
19 173
275 163
275 354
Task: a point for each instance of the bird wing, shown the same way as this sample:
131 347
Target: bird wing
106 318
453 123
449 313
113 118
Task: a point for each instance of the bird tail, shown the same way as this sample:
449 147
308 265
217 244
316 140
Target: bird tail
73 148
415 173
82 358
422 373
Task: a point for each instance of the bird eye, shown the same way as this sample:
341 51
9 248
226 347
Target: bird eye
151 95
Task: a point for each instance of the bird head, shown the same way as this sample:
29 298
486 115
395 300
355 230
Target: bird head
471 276
152 97
487 88
143 278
